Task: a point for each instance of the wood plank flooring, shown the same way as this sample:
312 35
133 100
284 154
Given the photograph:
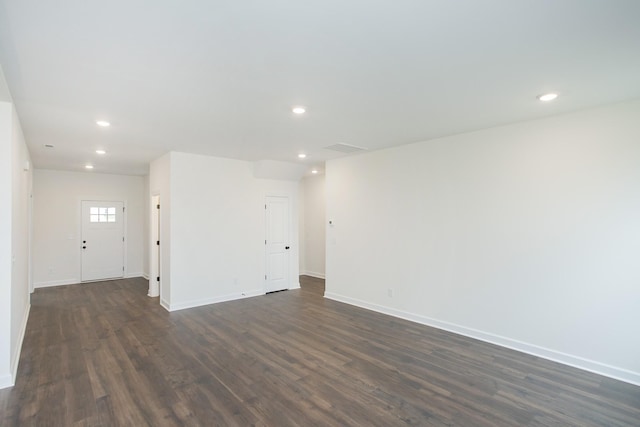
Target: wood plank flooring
105 354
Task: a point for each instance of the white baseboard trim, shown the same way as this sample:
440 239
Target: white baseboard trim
313 274
131 275
214 300
295 286
65 282
16 356
9 380
6 381
145 275
55 283
164 304
545 353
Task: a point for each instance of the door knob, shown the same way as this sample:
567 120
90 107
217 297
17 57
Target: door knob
286 247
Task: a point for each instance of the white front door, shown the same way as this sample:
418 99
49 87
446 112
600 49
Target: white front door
102 240
277 243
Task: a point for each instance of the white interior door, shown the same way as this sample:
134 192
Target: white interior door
102 240
277 244
154 278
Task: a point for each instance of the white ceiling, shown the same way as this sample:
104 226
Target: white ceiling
220 77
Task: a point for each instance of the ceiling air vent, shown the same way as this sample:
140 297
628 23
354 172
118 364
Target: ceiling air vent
344 148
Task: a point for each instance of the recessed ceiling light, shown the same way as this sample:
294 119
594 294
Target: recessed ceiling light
103 123
548 97
302 156
298 110
48 146
101 152
88 166
314 171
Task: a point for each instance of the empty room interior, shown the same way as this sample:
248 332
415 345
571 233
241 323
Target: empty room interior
320 213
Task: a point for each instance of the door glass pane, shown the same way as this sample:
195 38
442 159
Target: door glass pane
102 214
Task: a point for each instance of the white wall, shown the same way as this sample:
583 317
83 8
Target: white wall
21 198
216 228
314 225
525 235
5 243
15 188
56 221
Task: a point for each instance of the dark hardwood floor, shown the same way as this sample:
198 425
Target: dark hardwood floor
105 354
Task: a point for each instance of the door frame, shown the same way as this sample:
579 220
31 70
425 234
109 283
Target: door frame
31 286
125 233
